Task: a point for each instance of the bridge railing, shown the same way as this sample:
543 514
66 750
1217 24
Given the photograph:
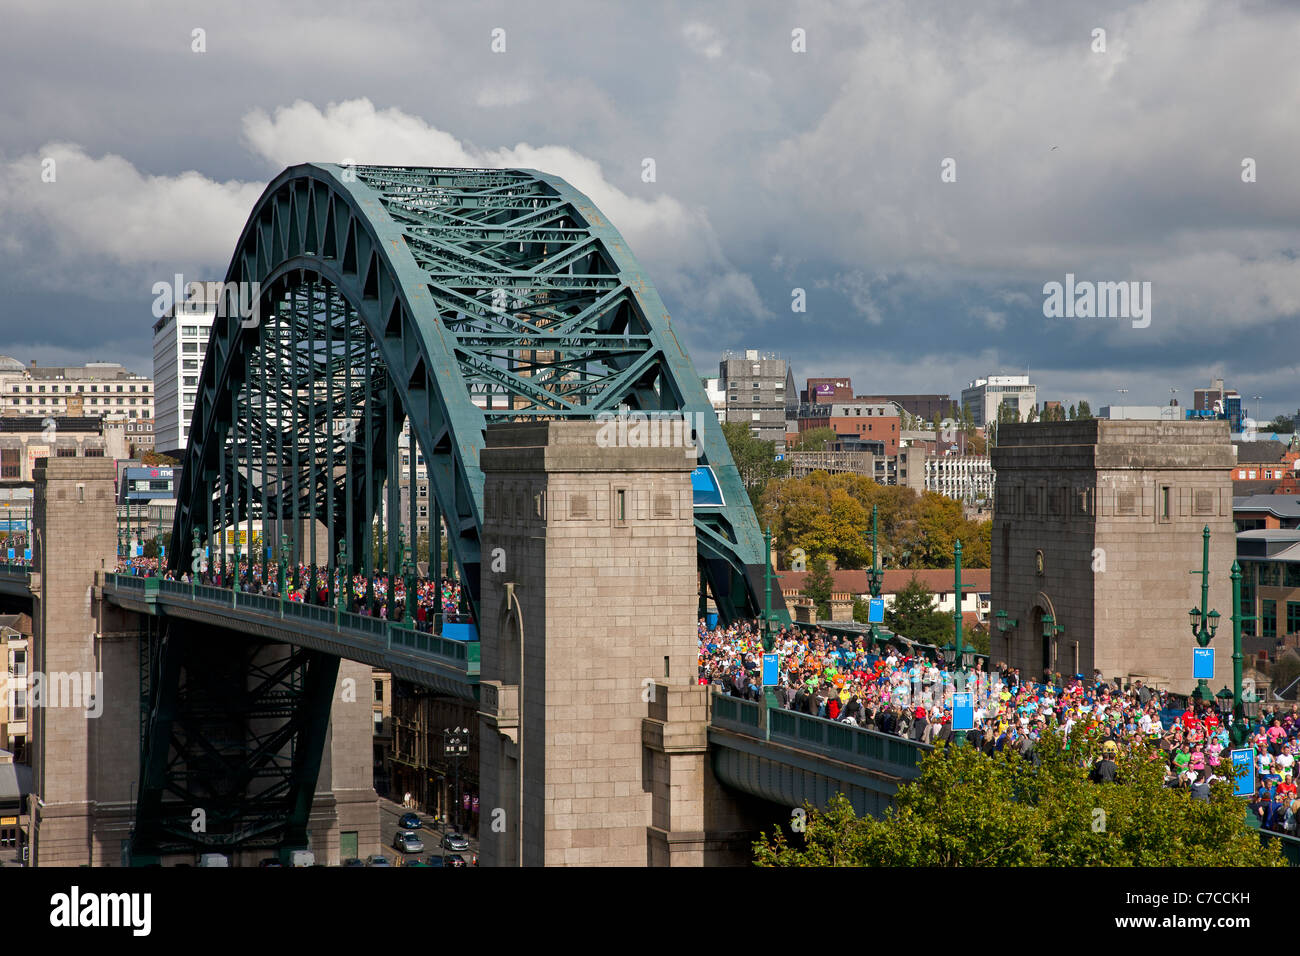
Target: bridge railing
830 738
462 655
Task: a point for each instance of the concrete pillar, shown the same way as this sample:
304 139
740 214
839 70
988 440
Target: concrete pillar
345 800
589 604
82 751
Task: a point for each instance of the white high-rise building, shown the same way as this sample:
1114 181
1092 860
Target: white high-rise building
984 396
180 343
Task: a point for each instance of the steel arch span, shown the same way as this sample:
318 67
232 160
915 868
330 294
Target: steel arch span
443 298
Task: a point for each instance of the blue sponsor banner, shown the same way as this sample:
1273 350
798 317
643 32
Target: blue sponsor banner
1203 663
13 524
963 711
1243 771
876 611
707 491
460 632
11 554
139 551
711 620
771 676
162 552
27 554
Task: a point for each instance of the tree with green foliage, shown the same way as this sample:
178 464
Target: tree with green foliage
1281 425
754 458
914 616
814 439
818 585
1085 411
967 809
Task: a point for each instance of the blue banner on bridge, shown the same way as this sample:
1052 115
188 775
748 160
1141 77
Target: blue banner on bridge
963 711
1243 770
1203 663
771 676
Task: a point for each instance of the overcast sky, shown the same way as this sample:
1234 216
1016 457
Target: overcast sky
775 169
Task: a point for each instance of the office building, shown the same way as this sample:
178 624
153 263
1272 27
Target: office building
90 390
180 343
757 386
984 396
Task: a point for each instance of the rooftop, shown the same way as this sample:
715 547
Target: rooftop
1280 506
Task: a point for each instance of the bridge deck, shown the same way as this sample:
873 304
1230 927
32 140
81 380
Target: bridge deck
430 660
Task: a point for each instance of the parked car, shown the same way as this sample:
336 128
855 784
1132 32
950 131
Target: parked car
378 860
214 859
408 842
454 859
409 821
269 862
454 841
436 861
352 861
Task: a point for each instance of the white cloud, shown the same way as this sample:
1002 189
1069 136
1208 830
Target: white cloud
674 242
703 39
103 214
104 225
513 93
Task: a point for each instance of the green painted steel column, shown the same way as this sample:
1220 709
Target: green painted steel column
1205 622
349 433
234 479
1240 730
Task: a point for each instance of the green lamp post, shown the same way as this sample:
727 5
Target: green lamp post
957 654
237 533
393 573
1204 625
341 574
1005 622
408 578
282 568
875 576
768 641
197 565
1240 731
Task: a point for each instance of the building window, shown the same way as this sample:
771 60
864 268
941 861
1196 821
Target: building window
1293 617
1164 502
1269 619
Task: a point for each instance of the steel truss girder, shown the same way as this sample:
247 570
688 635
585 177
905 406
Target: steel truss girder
236 729
488 295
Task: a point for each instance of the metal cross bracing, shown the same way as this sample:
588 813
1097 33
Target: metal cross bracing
446 299
237 730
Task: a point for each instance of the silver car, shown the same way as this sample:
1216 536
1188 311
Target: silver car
408 842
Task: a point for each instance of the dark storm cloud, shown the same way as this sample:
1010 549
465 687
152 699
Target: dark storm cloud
776 170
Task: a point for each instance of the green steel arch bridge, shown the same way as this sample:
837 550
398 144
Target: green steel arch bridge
450 299
361 303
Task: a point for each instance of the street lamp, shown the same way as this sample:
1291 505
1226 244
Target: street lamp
1051 631
1224 701
281 567
875 576
339 573
1204 625
1239 728
455 745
